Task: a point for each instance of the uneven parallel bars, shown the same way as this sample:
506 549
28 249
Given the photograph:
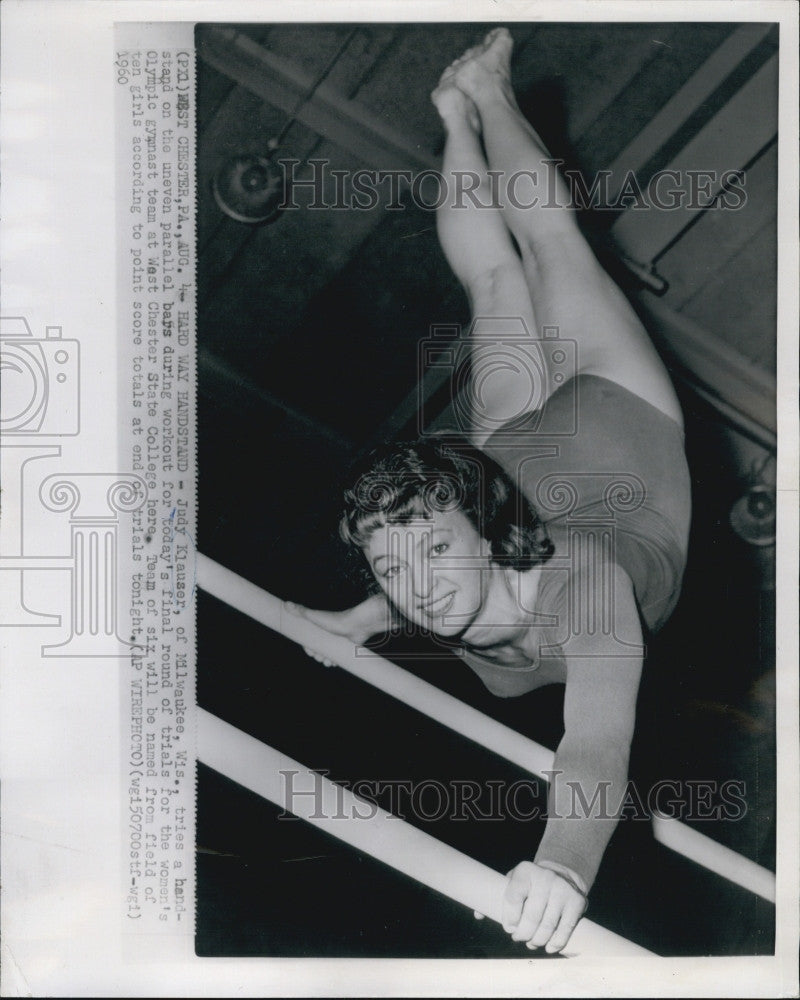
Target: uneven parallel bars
717 858
393 680
368 828
262 606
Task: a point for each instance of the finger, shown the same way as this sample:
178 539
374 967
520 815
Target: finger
478 916
532 911
514 897
318 657
573 911
549 921
526 897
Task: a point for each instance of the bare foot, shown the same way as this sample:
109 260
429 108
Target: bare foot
455 106
482 68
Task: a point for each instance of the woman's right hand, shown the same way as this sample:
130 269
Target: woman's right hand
356 624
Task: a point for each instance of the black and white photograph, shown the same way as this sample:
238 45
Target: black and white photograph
486 353
399 538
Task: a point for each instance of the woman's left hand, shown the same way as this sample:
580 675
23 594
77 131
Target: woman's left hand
540 907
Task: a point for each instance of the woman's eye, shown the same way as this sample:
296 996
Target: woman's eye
391 572
439 549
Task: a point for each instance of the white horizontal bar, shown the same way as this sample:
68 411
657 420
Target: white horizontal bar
685 102
392 680
717 365
366 827
262 606
714 856
726 142
280 83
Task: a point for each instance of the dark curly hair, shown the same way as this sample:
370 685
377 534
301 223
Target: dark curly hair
406 480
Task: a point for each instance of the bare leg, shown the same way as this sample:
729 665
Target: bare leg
475 239
568 287
479 248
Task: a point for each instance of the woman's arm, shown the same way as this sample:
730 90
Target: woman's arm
588 784
372 617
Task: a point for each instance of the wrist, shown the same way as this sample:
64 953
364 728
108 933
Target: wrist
569 876
373 616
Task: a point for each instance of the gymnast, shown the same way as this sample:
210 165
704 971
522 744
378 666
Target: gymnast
475 543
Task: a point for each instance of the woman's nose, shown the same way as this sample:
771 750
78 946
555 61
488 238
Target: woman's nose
421 577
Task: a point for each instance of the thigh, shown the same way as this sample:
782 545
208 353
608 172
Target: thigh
502 336
571 292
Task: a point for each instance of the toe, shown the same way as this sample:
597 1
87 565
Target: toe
497 34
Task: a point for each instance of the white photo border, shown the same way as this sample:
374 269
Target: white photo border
59 719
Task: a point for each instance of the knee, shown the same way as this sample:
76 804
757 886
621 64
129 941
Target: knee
492 281
563 259
500 289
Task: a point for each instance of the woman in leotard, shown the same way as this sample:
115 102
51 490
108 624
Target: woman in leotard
546 546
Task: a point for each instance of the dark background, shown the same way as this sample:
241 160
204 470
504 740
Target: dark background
308 329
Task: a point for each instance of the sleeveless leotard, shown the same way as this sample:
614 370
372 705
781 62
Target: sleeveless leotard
607 473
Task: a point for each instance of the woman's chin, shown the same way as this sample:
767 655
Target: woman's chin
448 631
450 627
451 623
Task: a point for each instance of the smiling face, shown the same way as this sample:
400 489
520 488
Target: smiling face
434 570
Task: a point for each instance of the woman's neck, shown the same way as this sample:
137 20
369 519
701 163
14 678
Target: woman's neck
507 608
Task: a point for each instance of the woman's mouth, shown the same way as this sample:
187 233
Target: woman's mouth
439 607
